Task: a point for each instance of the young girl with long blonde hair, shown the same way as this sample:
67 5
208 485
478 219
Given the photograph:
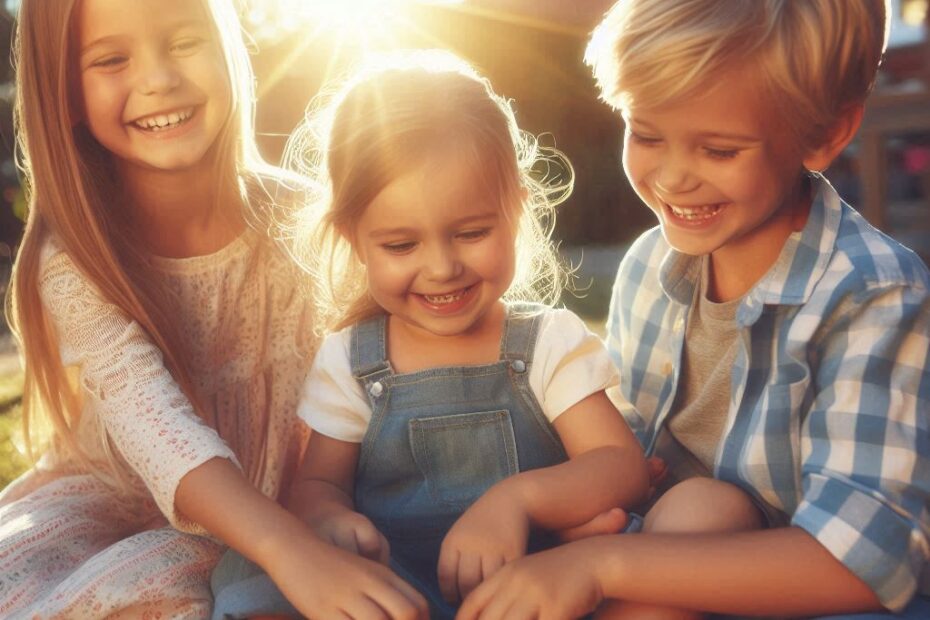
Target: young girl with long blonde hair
455 424
163 338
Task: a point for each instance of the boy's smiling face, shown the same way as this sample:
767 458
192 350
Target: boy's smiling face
719 169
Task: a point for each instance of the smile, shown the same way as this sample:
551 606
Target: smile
695 214
163 122
447 298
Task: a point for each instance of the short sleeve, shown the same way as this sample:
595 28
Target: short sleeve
126 384
865 445
332 402
569 363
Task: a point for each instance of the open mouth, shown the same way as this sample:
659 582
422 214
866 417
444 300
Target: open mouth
696 214
446 298
164 122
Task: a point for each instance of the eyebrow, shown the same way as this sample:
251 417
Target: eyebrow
704 135
387 232
730 136
184 23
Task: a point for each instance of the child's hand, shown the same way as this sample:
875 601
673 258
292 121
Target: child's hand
559 583
323 581
658 472
353 532
492 532
609 522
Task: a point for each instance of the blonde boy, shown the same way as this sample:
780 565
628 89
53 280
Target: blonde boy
769 340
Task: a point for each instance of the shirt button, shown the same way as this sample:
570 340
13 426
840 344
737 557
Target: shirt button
667 368
375 389
679 324
518 366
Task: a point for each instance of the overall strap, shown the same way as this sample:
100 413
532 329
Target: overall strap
368 348
520 330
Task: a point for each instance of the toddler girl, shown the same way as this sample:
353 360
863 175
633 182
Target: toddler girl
454 422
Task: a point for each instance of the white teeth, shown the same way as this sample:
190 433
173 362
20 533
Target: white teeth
703 212
160 122
444 299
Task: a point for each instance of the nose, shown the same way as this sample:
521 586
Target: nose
674 175
157 75
442 263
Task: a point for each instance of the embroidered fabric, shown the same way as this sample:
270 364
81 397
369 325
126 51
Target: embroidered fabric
250 337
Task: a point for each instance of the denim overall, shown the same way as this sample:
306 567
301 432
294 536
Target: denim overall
439 438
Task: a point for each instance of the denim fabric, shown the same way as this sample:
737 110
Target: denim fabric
241 590
440 438
918 609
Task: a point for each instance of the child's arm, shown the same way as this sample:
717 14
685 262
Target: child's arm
189 470
322 497
321 580
606 468
859 537
781 572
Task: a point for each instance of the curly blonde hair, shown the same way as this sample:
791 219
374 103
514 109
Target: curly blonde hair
388 117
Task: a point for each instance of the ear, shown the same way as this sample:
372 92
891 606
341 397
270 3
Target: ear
838 136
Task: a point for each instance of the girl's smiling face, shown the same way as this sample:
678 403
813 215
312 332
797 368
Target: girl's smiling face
155 88
439 251
718 169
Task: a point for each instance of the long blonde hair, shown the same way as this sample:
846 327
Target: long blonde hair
71 183
389 116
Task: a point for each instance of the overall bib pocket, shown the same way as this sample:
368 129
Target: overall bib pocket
461 456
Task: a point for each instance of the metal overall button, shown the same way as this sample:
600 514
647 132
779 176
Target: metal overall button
376 389
518 366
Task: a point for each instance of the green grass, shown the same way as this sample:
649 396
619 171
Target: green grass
12 462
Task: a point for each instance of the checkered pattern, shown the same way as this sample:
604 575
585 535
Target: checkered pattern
829 419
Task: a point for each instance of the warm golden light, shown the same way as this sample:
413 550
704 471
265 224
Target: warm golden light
362 22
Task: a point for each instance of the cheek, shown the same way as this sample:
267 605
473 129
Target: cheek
637 162
388 276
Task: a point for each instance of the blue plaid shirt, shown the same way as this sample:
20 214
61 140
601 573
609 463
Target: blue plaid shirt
829 417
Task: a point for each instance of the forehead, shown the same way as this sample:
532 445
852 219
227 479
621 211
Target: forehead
99 19
437 190
730 102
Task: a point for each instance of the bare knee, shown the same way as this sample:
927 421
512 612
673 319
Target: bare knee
703 505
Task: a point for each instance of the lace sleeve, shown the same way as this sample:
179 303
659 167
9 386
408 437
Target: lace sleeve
126 384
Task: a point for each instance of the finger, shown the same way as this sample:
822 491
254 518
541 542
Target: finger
368 541
609 522
486 602
448 574
366 608
469 574
657 469
400 600
490 565
475 603
346 540
385 555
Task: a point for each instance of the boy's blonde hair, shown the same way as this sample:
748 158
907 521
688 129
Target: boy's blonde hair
815 58
394 114
75 195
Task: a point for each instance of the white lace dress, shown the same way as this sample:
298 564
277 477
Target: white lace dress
72 548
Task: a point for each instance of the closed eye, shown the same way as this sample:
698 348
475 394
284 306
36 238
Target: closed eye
474 235
721 153
402 247
187 44
109 62
644 140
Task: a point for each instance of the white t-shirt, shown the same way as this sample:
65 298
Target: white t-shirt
569 364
